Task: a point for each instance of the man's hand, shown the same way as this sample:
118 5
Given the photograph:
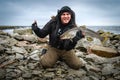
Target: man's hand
35 23
78 36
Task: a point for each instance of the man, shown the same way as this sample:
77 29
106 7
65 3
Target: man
59 48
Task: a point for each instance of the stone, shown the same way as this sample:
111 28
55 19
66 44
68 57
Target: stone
27 75
23 31
49 75
103 51
18 37
11 74
19 56
19 50
95 67
30 38
107 69
2 49
78 73
35 55
43 40
2 73
86 43
92 68
3 33
95 58
36 72
22 43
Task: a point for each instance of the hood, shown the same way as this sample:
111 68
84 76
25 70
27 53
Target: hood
67 9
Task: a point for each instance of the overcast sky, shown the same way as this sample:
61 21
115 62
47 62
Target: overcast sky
88 12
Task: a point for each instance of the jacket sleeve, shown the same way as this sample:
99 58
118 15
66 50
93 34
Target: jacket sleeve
42 32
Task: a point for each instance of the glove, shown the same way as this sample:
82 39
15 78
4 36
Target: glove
68 44
34 25
78 36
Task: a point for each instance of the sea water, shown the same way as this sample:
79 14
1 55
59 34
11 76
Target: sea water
112 29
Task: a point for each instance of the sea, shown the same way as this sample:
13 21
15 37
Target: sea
111 29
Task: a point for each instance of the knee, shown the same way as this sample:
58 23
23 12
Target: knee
76 66
45 64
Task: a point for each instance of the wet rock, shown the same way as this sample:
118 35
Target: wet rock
96 59
19 56
43 40
23 31
30 38
27 75
12 74
2 73
111 79
23 68
117 75
103 51
85 43
32 65
115 37
36 72
100 31
2 59
93 78
19 50
107 69
49 75
69 78
4 43
19 37
12 42
4 33
9 51
22 43
21 53
77 73
35 55
85 78
79 54
8 42
2 49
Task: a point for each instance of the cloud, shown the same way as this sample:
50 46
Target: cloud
88 12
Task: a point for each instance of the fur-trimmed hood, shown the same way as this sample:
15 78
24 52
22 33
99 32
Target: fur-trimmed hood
67 9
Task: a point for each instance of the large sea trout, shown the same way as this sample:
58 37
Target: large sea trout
72 32
92 43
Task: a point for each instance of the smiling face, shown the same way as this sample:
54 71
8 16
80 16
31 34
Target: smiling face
65 17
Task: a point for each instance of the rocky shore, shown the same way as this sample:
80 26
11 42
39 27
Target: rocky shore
19 59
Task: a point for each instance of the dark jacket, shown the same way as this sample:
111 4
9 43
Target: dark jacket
54 29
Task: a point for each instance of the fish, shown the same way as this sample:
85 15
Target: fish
71 33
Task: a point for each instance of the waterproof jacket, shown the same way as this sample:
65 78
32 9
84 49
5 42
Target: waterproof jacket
54 29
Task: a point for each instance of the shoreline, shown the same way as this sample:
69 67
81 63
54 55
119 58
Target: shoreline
10 29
